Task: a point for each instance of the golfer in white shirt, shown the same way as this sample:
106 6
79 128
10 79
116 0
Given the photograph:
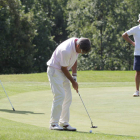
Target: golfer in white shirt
63 59
135 31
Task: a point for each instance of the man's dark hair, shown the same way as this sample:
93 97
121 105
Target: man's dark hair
85 44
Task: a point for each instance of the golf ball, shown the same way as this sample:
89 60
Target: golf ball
90 131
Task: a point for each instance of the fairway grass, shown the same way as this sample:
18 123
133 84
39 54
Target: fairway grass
109 103
12 130
83 76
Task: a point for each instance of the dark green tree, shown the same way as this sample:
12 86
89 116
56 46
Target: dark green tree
19 30
103 22
44 43
50 21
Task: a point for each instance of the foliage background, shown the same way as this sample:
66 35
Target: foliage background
30 30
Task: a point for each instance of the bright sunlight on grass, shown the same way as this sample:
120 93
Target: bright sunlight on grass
106 94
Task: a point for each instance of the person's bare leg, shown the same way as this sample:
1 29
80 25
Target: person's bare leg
137 80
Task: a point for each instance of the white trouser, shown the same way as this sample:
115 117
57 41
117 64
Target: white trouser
61 90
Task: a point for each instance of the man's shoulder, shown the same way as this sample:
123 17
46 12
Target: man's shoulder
132 30
72 39
67 41
135 27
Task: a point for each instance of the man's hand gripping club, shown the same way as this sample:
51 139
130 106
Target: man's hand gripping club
68 75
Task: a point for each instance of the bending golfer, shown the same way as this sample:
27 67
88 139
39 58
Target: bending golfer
135 31
63 59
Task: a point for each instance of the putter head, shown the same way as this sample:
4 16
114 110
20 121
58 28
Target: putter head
94 126
13 109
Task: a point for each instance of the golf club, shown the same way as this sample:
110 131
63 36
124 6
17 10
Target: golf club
7 96
92 126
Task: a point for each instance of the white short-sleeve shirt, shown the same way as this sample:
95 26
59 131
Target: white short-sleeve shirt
135 31
65 55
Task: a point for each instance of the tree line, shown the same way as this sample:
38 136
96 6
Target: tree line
30 30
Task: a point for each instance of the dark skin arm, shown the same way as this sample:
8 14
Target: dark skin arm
68 75
74 68
126 37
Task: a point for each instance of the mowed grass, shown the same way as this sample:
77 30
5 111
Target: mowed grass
20 83
106 94
83 76
11 130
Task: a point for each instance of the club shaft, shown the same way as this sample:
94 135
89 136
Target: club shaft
6 94
85 108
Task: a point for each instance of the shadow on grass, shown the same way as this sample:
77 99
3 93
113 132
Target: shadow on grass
75 131
19 112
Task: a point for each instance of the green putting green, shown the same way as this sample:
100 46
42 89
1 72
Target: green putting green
112 109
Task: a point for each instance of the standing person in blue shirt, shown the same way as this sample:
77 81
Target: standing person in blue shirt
135 31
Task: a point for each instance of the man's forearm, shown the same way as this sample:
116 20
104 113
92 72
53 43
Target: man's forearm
126 37
74 69
67 74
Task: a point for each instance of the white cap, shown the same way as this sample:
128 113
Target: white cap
139 18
